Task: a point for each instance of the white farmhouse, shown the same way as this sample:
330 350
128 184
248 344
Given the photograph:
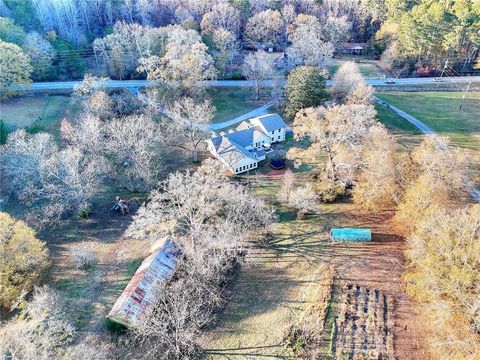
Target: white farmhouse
242 149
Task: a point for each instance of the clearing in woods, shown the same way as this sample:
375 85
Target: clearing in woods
279 280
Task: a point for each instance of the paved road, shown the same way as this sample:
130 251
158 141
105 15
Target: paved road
112 84
424 128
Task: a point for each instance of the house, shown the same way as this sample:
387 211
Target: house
352 48
156 270
242 149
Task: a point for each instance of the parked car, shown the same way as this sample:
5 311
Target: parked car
390 81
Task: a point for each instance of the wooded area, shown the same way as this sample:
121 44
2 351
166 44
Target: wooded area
83 202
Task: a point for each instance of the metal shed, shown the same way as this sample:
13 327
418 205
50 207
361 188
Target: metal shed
156 270
351 234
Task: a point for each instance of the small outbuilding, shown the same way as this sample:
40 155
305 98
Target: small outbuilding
351 234
155 271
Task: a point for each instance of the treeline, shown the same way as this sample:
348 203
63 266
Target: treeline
63 39
420 35
109 37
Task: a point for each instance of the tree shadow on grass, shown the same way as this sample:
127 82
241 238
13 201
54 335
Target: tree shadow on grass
247 352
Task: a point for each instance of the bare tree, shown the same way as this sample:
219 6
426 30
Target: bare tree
336 30
303 199
266 30
228 47
59 181
42 333
287 186
349 85
41 52
307 44
132 146
221 16
191 202
339 132
258 67
187 124
377 186
186 62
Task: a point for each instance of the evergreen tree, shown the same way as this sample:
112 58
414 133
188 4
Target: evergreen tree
305 88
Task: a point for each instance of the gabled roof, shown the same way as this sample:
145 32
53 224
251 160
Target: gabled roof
246 137
156 269
271 122
352 46
244 125
229 150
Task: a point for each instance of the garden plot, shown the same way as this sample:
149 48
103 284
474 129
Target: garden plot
364 324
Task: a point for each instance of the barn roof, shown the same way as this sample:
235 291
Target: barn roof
351 234
157 268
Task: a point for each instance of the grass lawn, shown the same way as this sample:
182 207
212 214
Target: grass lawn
43 113
440 111
232 102
368 67
394 122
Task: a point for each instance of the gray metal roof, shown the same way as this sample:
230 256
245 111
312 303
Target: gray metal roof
246 137
272 122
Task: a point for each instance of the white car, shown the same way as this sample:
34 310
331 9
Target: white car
390 81
437 79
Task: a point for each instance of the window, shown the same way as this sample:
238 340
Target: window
278 137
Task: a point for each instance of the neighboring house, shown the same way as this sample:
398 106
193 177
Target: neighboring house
155 271
242 149
352 48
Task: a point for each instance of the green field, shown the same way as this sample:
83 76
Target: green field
233 101
440 111
39 113
395 122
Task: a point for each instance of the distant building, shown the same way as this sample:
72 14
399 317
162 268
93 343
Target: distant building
241 150
352 48
156 270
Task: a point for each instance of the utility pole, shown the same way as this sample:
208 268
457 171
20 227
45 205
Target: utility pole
443 71
465 94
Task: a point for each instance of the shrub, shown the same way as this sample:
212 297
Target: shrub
23 261
83 257
84 212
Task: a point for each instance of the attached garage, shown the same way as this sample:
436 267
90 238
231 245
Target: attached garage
351 234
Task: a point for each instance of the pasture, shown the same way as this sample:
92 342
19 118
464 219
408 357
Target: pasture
440 111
